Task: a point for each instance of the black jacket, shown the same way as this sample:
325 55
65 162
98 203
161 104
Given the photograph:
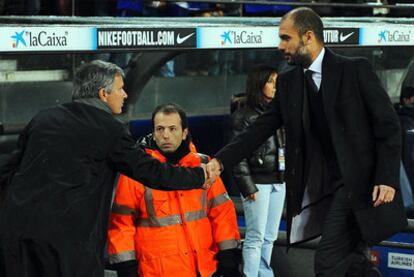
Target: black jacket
61 192
262 166
363 126
406 115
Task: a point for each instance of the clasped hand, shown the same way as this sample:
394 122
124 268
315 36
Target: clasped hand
211 170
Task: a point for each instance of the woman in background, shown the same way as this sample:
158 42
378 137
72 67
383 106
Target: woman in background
260 177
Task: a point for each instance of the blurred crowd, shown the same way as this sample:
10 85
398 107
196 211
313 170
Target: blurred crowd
165 8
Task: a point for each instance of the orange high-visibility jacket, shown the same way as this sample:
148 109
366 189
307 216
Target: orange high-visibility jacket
171 232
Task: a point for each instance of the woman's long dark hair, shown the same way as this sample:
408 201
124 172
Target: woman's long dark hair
256 80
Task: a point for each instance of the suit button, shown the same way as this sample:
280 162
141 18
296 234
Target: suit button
293 171
297 150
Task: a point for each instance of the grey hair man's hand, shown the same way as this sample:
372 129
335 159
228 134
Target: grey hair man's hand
209 178
213 169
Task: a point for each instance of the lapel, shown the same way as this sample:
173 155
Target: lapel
331 75
295 97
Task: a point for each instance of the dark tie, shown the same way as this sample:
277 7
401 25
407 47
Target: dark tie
310 84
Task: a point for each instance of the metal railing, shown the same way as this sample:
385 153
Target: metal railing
11 129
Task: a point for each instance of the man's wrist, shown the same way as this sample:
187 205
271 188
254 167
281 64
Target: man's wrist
221 166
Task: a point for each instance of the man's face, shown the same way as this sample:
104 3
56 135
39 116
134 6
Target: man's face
168 133
292 45
115 99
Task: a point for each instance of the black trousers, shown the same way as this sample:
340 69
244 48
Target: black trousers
36 258
27 258
341 252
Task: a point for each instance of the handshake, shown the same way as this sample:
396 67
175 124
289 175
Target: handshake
211 170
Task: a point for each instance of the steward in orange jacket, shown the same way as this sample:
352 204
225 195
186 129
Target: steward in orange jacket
184 233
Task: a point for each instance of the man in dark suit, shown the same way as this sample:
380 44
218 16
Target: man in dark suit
342 149
57 188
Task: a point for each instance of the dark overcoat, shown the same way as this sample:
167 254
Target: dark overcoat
364 129
59 197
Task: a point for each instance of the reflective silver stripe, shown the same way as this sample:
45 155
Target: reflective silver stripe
195 215
121 209
218 200
171 220
149 204
152 220
204 200
160 222
122 257
228 244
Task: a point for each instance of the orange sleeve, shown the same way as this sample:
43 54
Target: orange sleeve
222 216
121 233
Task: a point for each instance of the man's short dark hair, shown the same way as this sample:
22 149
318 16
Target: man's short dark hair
92 76
305 19
170 108
406 92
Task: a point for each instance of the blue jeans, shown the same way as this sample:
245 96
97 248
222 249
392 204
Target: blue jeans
262 226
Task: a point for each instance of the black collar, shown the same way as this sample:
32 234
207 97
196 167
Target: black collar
177 155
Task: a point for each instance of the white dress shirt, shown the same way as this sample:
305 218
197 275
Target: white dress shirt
316 67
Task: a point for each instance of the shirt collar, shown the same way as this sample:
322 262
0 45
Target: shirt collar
316 66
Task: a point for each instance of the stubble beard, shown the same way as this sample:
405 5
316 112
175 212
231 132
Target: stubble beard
301 57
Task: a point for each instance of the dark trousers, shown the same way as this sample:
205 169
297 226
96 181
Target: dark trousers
35 258
341 251
27 258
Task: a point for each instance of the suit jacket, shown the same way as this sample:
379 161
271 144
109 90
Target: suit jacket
61 191
364 130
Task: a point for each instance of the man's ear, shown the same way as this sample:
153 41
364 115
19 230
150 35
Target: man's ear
102 94
185 133
309 36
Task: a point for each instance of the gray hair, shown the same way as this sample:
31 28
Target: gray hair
92 76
